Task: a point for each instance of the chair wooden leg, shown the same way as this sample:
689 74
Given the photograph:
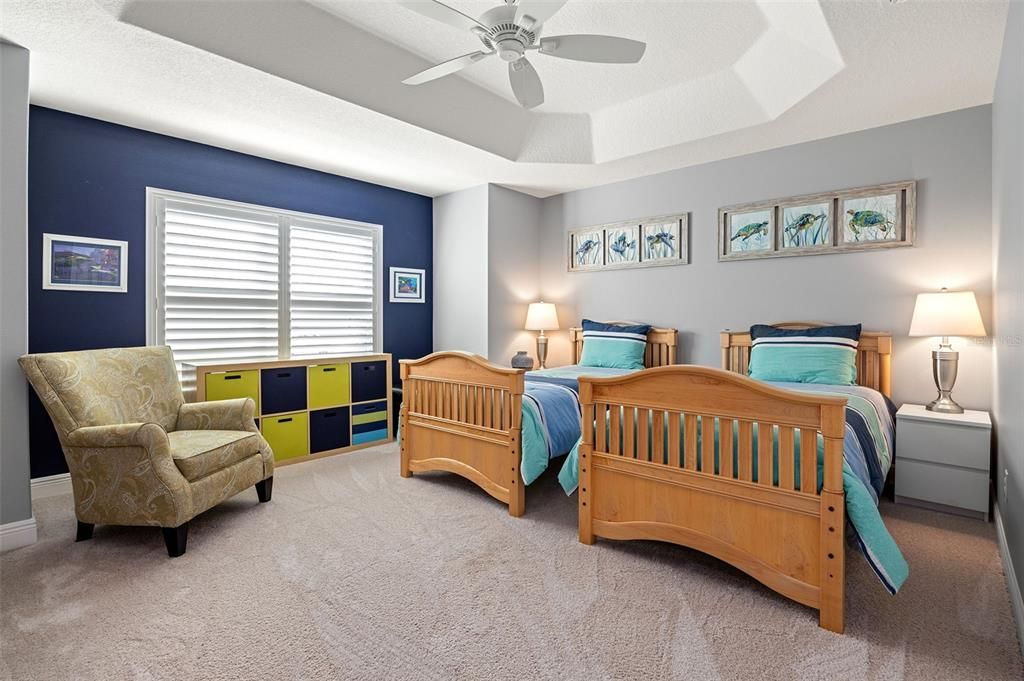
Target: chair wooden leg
264 489
176 538
84 531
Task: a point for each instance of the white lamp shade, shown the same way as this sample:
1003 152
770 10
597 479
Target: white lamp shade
953 313
541 317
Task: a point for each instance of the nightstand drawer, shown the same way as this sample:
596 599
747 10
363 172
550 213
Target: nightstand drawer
938 484
943 443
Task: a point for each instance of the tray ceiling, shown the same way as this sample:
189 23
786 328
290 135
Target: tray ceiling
317 82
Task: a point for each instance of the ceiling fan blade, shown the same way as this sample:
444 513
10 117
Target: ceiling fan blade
446 68
439 11
604 49
537 11
526 83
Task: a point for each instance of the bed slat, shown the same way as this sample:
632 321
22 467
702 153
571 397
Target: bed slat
764 454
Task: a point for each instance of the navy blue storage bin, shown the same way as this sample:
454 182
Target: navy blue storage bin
328 429
369 381
283 390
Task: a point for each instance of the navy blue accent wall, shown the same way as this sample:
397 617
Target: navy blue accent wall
89 178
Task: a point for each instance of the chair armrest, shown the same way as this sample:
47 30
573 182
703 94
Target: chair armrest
147 435
237 414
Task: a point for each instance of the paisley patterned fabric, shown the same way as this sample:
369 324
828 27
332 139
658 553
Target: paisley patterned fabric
137 453
197 453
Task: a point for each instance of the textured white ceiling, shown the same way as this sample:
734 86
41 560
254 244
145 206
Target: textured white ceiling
317 85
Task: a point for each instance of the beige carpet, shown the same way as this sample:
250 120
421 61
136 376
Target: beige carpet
352 572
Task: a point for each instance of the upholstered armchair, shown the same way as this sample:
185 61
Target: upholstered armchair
138 454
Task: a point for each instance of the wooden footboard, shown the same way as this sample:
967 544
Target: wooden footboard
463 415
670 482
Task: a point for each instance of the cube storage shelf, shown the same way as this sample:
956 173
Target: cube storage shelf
309 408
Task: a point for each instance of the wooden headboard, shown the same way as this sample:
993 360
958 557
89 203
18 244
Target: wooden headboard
661 345
874 354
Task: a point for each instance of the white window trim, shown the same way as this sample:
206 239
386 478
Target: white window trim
154 265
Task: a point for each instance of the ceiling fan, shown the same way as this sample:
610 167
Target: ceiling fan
512 29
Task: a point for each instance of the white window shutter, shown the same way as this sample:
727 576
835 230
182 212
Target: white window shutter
221 277
236 282
332 289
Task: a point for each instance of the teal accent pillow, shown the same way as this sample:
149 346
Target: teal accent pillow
614 346
827 354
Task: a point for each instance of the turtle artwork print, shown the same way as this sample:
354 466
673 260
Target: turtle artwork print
807 225
858 219
870 218
751 232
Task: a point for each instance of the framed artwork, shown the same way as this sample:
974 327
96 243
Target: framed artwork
665 240
407 285
78 263
650 242
622 244
748 231
586 249
880 216
806 225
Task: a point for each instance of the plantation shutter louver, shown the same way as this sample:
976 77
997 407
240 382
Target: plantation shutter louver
332 293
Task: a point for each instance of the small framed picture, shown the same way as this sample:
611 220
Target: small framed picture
78 263
877 218
408 285
746 232
622 244
806 225
665 240
586 249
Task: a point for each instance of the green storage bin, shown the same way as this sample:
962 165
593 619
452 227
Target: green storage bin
230 385
329 385
287 434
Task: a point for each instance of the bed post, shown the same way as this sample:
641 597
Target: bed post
517 488
408 395
885 365
585 455
833 521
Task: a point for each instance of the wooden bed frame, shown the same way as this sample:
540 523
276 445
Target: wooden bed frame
462 414
788 536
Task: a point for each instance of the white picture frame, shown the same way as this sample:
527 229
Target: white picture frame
407 285
81 263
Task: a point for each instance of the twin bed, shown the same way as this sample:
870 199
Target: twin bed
464 415
676 453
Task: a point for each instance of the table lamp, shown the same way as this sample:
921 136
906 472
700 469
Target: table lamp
541 317
945 314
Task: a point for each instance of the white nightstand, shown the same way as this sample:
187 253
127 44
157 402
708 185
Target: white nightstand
942 460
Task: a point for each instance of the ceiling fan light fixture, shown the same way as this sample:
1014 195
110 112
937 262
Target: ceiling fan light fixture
510 50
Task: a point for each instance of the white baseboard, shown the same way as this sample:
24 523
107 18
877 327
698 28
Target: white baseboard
17 534
51 486
1016 602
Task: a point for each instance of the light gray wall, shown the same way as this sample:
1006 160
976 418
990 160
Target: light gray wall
15 499
1008 261
460 271
950 156
513 271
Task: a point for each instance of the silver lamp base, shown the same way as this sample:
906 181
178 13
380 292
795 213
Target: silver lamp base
944 366
542 350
